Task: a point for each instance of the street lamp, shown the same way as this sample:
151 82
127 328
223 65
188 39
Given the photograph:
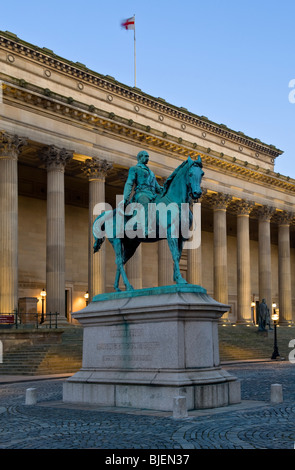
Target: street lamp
43 295
275 318
86 296
253 305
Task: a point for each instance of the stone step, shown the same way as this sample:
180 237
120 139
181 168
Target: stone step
42 359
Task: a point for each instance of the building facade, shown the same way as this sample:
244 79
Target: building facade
69 135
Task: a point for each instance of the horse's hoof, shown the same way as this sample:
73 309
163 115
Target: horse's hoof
129 288
181 281
117 289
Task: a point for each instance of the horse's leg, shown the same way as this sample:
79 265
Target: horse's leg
117 245
176 254
116 285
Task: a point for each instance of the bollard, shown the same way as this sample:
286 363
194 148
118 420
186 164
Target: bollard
276 393
31 396
179 407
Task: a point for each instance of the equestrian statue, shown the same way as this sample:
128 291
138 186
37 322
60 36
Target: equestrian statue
143 215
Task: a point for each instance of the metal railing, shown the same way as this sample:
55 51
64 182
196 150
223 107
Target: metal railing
14 320
44 319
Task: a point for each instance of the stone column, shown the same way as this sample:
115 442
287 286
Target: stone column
264 255
165 260
165 264
134 269
285 294
243 263
194 260
194 266
220 203
96 171
55 160
10 146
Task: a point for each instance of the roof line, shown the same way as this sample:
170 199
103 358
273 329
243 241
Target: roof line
134 92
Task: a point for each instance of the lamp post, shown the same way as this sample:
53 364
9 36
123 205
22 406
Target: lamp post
43 295
253 312
86 296
275 318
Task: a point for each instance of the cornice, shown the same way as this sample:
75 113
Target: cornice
125 129
79 71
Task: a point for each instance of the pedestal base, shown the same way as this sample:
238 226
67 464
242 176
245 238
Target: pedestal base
142 349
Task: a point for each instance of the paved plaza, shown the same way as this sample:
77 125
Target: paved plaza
256 423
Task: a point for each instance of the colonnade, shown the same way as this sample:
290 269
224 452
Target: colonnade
55 160
220 204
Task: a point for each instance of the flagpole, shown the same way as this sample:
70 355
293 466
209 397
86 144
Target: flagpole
134 55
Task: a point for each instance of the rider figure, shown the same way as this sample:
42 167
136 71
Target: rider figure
145 185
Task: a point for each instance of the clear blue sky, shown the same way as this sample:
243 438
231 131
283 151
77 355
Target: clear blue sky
229 60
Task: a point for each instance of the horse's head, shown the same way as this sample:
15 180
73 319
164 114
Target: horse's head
195 174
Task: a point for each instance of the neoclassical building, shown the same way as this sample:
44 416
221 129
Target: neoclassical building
68 136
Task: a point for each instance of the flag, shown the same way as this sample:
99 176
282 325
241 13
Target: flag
129 23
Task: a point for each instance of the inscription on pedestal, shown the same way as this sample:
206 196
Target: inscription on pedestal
127 345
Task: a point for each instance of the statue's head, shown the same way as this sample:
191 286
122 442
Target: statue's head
143 156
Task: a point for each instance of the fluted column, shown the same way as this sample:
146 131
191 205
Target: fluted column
264 255
285 294
96 171
243 263
10 146
165 264
165 260
134 269
55 160
194 260
220 203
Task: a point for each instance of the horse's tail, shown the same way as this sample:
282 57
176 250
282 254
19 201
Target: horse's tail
97 244
98 240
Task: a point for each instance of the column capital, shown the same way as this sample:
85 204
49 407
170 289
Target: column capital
96 169
219 201
55 158
265 213
10 145
284 217
244 207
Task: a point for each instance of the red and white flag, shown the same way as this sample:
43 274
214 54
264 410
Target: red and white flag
129 23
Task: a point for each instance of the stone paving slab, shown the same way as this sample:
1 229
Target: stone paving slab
255 424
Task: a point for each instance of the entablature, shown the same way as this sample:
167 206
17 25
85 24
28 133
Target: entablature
104 92
58 107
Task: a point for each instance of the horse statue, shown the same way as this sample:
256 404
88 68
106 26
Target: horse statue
181 188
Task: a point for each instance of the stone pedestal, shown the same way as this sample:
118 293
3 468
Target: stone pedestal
144 348
27 309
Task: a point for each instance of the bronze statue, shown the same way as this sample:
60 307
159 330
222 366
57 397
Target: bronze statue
263 316
151 201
